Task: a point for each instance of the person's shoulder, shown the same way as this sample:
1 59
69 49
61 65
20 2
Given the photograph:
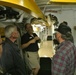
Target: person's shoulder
6 47
4 43
69 44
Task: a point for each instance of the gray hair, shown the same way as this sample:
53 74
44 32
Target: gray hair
8 30
68 36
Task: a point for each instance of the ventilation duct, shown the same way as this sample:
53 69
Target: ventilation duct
8 13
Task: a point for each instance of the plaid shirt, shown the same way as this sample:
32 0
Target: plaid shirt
63 62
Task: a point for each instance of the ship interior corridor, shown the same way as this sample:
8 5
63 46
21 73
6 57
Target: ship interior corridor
45 17
46 49
46 52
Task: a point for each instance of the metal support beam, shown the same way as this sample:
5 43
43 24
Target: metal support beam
65 1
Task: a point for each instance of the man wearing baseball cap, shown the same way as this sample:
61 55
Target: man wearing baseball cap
66 31
63 62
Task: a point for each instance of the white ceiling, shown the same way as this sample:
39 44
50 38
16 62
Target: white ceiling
47 6
44 5
41 2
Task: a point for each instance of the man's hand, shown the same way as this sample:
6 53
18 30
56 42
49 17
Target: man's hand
37 39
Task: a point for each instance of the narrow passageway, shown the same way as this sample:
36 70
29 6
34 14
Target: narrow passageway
46 49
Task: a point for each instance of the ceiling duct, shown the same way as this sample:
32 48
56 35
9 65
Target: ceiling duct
8 13
52 20
38 21
64 1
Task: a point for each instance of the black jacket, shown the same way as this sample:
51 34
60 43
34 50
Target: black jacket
11 59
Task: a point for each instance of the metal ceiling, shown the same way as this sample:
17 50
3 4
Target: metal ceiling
48 6
41 2
49 2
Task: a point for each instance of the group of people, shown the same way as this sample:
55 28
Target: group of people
63 62
11 62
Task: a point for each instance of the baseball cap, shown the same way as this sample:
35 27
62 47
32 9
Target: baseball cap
63 29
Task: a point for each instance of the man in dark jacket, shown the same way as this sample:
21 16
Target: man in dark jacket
11 60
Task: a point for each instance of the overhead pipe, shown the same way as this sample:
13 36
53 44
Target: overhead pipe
28 6
64 1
